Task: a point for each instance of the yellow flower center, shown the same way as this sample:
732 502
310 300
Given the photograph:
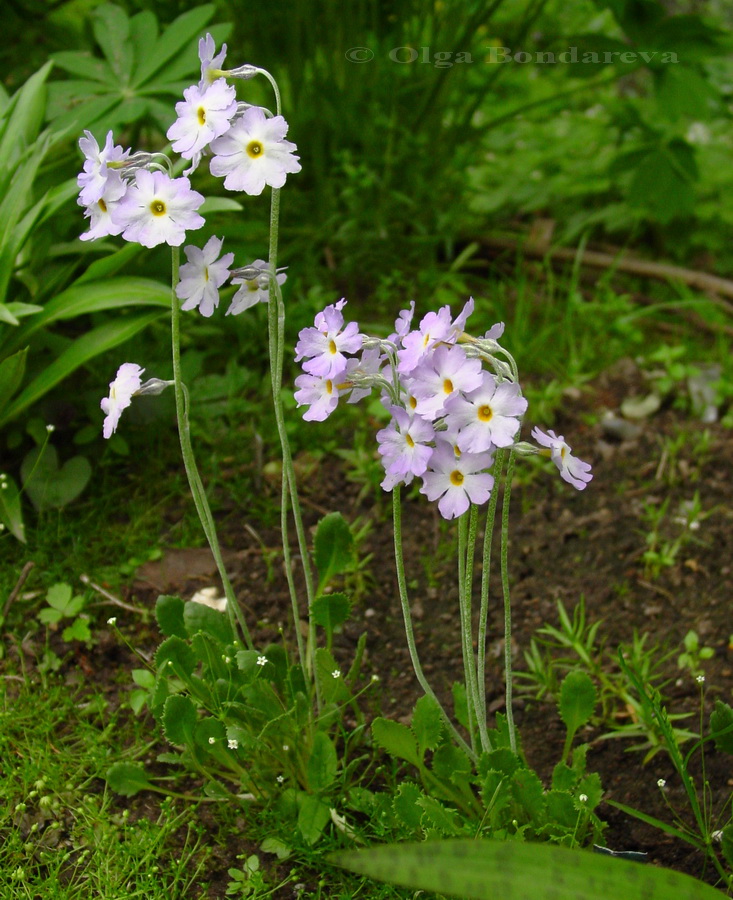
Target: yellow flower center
485 413
413 402
254 149
409 441
329 386
448 386
102 205
157 208
332 348
456 478
206 273
201 115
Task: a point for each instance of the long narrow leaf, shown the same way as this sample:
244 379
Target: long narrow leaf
79 300
173 40
22 119
509 870
84 348
85 65
111 31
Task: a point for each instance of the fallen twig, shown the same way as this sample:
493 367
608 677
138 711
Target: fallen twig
25 572
115 601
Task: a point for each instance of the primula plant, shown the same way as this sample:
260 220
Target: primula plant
266 723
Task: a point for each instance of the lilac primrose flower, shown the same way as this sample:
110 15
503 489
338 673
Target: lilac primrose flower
324 346
203 116
98 180
99 214
202 276
211 62
457 479
440 376
488 415
403 446
121 390
252 291
434 328
158 209
253 153
572 470
321 394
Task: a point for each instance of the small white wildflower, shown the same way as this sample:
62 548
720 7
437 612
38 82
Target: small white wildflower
336 673
2 527
112 620
261 660
375 678
700 679
583 798
661 782
227 659
232 743
285 748
4 485
50 428
212 740
280 779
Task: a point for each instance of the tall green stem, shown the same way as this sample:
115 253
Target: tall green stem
485 581
464 605
477 687
507 601
405 603
276 340
194 479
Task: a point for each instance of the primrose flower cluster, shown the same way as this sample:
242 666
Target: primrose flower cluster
136 196
449 414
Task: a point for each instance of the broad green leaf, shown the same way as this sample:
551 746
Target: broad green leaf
199 617
179 720
721 726
144 678
437 816
77 631
333 689
84 348
397 740
406 804
322 763
175 657
334 547
427 723
330 610
50 616
11 512
169 615
495 870
577 700
49 485
12 370
128 779
313 816
528 792
111 31
450 761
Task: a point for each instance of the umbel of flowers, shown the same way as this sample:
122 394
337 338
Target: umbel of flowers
449 412
144 198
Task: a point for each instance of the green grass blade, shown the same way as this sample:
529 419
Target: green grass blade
174 39
497 870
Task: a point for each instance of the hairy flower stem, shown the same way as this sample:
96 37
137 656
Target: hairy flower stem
507 601
194 479
276 339
478 687
464 606
485 582
405 603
